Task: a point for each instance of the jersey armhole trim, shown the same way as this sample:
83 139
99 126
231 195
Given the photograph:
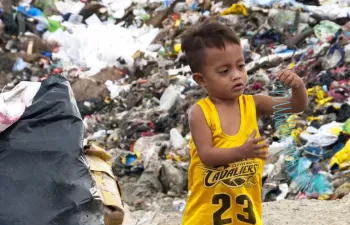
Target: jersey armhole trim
205 108
253 109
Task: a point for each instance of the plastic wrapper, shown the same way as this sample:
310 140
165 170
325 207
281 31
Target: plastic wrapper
176 139
44 176
106 43
13 103
169 98
341 160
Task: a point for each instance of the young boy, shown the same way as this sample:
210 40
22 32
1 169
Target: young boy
227 152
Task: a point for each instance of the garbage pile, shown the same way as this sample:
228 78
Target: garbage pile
133 85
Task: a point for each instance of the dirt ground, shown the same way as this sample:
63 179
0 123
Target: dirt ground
286 212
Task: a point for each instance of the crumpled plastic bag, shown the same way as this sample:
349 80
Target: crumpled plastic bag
346 127
265 3
37 14
324 11
19 65
147 148
341 159
176 139
326 29
320 185
14 102
168 98
321 137
172 177
117 7
237 8
48 6
106 43
347 53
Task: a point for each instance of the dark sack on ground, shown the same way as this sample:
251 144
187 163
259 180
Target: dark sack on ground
44 178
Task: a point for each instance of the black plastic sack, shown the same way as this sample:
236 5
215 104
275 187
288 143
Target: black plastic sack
44 178
10 24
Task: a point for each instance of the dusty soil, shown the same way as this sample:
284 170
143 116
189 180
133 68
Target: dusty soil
286 212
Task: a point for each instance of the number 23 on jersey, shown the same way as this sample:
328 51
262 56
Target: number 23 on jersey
241 208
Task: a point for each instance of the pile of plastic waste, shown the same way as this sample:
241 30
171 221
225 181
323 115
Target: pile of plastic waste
133 85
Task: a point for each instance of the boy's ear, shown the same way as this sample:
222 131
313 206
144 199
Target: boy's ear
198 77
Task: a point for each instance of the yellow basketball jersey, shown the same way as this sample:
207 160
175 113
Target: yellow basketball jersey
228 194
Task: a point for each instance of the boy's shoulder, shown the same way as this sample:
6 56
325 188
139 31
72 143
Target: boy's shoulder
201 110
197 107
203 104
199 102
206 105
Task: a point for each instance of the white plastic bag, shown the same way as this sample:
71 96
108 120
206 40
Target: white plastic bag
176 139
168 98
347 53
320 137
14 102
148 148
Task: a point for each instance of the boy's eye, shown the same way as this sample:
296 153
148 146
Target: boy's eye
225 71
242 66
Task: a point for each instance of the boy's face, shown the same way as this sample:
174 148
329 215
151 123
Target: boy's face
224 73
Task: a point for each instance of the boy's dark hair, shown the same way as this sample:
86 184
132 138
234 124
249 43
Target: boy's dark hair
206 33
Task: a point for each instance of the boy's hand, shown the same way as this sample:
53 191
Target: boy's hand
290 79
252 149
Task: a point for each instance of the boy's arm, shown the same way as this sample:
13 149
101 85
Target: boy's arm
211 156
298 102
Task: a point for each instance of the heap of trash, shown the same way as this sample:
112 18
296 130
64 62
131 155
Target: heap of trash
133 86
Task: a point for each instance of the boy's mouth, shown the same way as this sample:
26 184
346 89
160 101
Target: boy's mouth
238 86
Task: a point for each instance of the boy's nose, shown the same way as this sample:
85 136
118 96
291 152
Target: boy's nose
236 76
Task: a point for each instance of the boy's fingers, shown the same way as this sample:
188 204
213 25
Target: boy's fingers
253 134
257 140
289 80
284 78
283 74
280 73
287 75
263 154
257 152
263 146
